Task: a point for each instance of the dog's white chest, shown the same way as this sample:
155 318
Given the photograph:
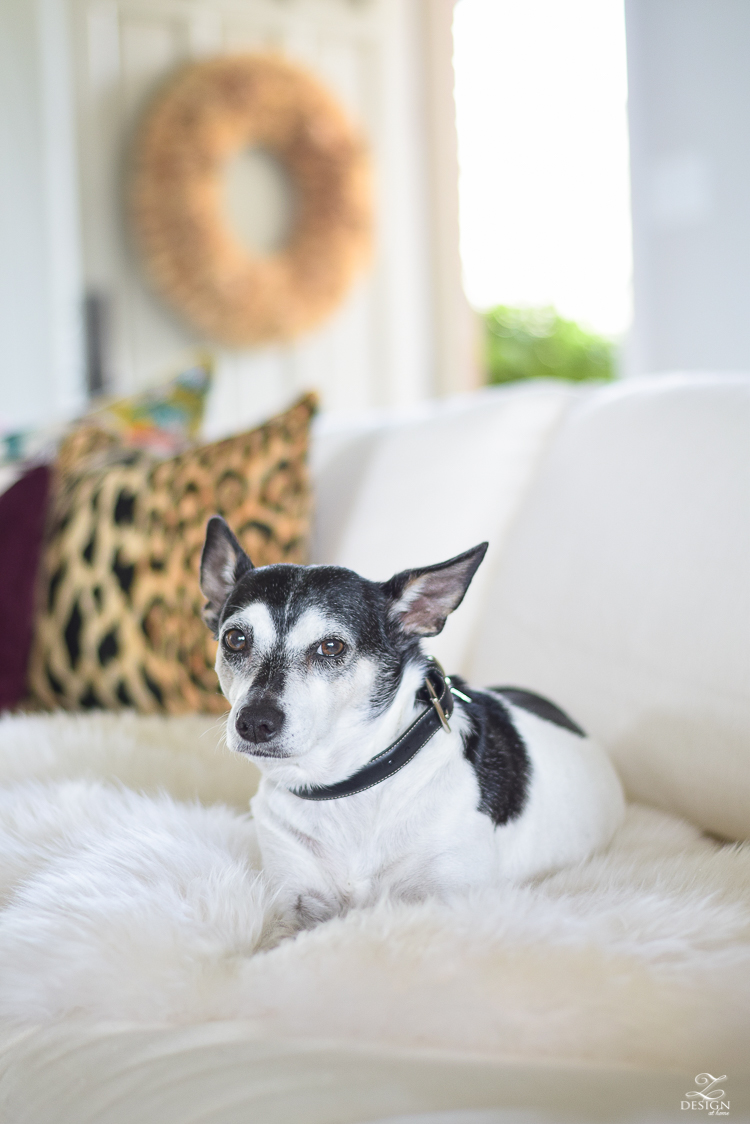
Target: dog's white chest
421 833
413 836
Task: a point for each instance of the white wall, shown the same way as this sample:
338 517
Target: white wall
689 109
41 362
404 332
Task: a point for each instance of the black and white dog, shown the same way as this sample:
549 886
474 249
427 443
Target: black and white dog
381 776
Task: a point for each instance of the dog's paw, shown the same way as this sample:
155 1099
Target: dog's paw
276 928
311 908
303 911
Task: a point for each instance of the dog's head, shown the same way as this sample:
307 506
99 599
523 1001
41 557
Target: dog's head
319 663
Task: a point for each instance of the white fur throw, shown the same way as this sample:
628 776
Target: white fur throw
121 901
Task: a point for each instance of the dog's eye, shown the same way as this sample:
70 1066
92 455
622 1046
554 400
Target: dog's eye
330 647
235 640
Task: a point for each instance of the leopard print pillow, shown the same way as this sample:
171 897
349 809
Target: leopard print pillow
119 621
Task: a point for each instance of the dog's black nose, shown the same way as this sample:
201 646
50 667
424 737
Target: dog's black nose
259 723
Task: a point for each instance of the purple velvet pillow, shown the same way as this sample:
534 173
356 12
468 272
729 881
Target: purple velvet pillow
22 512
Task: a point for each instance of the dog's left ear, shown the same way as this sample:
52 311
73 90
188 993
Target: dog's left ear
223 562
421 600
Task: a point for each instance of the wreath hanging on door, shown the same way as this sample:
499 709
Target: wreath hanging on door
207 113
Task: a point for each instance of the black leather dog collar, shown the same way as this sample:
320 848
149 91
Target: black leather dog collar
437 693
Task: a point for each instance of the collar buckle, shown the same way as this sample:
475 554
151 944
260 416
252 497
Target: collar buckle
436 703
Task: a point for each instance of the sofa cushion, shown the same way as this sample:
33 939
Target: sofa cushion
624 591
393 493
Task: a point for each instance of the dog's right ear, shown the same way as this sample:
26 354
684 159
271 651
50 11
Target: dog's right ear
420 600
223 562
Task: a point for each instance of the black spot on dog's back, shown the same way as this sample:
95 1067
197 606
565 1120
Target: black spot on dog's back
541 707
498 754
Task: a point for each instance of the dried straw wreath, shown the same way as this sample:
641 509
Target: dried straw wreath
208 112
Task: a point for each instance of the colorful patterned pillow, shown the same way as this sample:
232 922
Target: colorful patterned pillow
119 620
163 421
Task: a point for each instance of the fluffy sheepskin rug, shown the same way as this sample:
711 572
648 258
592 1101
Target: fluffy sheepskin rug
131 891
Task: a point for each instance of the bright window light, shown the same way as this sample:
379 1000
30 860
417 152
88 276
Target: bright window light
541 99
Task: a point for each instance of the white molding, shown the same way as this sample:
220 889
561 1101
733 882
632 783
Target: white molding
61 199
40 295
456 325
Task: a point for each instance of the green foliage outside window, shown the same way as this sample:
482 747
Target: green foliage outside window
532 343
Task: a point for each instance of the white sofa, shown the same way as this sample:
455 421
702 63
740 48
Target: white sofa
618 575
617 582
